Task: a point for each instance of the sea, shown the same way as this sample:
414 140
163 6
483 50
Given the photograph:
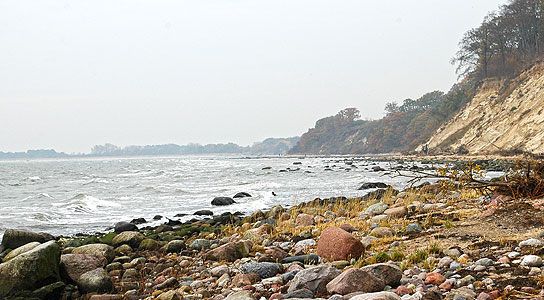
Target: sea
89 195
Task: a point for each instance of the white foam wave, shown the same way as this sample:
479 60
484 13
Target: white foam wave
86 203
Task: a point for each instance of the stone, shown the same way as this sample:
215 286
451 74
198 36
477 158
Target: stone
305 220
242 295
452 252
305 259
337 244
389 273
131 238
355 280
396 212
372 185
434 278
219 270
531 243
413 228
149 244
314 279
203 212
263 269
484 262
13 239
377 296
74 265
307 243
200 244
96 249
276 253
30 270
348 227
531 261
124 226
381 232
50 291
219 201
175 246
299 294
376 209
20 250
95 281
241 195
240 280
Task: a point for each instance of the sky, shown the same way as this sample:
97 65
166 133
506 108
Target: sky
74 74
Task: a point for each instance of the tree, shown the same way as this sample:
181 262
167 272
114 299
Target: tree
349 114
391 108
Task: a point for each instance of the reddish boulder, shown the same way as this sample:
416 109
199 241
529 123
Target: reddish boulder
74 265
434 278
338 244
355 280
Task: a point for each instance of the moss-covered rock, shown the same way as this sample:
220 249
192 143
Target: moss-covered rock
149 244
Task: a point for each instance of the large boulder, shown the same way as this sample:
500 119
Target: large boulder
241 195
314 279
376 209
95 281
74 265
24 248
222 201
31 270
16 238
125 226
338 244
389 273
104 250
355 280
131 238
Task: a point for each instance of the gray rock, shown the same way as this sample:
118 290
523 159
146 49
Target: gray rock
242 295
131 238
315 279
299 294
377 296
531 261
175 246
124 226
28 271
452 252
16 238
484 262
97 249
376 209
355 280
305 243
222 201
20 250
95 281
413 228
200 244
263 269
531 243
305 259
389 273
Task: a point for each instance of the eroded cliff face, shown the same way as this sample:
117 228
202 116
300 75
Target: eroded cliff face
504 115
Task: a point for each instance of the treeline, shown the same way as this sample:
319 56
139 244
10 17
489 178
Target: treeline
507 41
403 128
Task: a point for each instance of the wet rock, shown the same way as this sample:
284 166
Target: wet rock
138 221
203 212
305 259
30 270
124 226
355 280
372 185
389 273
222 201
376 209
149 244
24 248
241 195
16 238
315 279
377 296
74 265
337 244
96 249
95 281
131 238
175 246
263 269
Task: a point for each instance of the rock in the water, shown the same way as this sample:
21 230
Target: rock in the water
242 295
241 195
16 238
377 296
531 261
74 265
337 244
376 209
95 281
31 270
203 212
24 248
124 226
175 246
96 249
355 280
222 201
373 185
389 273
131 238
263 269
315 279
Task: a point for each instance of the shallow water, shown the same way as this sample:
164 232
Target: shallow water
65 197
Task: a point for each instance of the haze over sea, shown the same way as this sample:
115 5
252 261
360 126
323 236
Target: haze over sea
65 197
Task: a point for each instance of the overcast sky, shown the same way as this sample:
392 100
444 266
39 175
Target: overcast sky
74 74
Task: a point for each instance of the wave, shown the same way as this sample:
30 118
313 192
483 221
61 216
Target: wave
85 203
33 178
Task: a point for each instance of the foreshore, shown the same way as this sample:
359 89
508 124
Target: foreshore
423 243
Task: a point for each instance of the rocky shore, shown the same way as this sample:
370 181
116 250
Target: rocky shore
425 243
